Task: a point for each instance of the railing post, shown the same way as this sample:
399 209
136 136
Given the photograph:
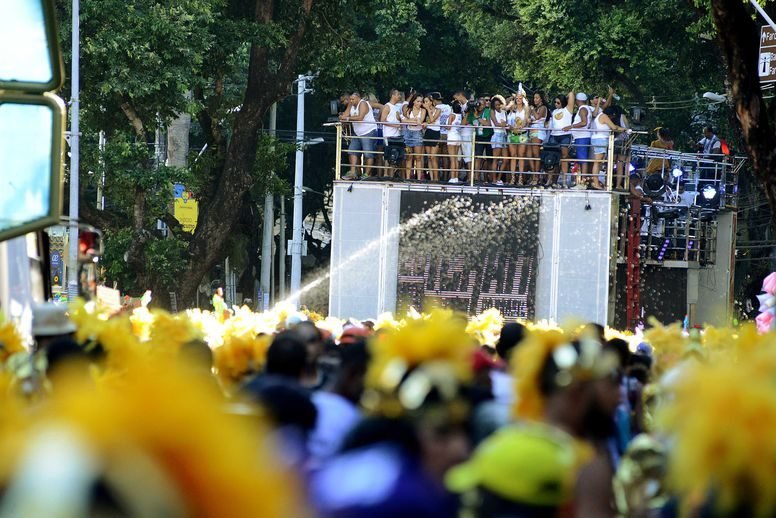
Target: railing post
610 162
338 160
474 153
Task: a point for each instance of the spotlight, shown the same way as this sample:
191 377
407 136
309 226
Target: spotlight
709 192
677 173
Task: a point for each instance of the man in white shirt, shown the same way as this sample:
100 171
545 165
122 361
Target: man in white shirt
710 143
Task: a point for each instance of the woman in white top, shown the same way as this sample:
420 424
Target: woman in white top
432 137
454 137
539 118
601 128
413 137
498 120
518 120
560 129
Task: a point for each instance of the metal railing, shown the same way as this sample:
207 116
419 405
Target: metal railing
673 232
472 159
696 172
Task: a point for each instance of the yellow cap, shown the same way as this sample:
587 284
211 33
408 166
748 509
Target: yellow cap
528 464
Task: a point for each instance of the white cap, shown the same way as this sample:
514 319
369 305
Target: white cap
581 96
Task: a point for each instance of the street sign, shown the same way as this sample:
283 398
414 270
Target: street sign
767 64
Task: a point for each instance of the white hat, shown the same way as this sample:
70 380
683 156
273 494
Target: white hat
581 96
49 319
499 98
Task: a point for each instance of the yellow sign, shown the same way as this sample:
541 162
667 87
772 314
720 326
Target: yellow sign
186 210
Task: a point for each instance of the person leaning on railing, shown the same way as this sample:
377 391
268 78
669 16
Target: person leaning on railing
540 117
365 134
413 136
663 141
390 118
431 137
601 127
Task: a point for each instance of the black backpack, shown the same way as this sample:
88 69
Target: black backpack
394 152
550 157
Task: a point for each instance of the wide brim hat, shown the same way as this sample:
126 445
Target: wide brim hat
50 319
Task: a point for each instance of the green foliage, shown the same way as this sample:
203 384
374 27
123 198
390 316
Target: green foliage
642 46
165 259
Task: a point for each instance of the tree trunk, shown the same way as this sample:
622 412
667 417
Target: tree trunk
219 214
738 37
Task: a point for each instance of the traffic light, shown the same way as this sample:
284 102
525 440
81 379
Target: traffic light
32 118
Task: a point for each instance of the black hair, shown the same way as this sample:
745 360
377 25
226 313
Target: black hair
614 112
435 96
563 100
710 129
354 356
287 356
619 347
511 335
456 107
493 102
664 133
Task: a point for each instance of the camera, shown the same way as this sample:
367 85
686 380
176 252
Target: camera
474 105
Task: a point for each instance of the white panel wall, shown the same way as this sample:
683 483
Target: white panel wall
572 275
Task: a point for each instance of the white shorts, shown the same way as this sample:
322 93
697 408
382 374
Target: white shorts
454 138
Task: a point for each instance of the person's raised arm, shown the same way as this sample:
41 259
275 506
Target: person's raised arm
570 101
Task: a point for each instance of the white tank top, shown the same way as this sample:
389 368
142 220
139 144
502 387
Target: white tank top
361 128
394 113
560 119
415 120
583 132
539 123
600 130
521 115
455 124
435 126
500 117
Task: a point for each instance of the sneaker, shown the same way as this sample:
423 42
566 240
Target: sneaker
453 180
350 177
499 182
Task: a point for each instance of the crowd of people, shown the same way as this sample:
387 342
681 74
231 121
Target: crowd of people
518 140
286 413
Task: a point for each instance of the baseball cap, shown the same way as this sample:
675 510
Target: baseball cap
581 96
527 464
50 319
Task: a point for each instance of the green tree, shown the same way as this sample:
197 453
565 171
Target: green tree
225 62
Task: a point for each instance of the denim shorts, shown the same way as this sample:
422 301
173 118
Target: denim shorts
600 145
561 140
413 138
498 141
363 145
582 145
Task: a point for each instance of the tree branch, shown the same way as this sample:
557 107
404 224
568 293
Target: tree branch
134 119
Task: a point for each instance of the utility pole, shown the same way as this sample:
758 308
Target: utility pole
297 236
269 228
282 251
101 183
72 271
